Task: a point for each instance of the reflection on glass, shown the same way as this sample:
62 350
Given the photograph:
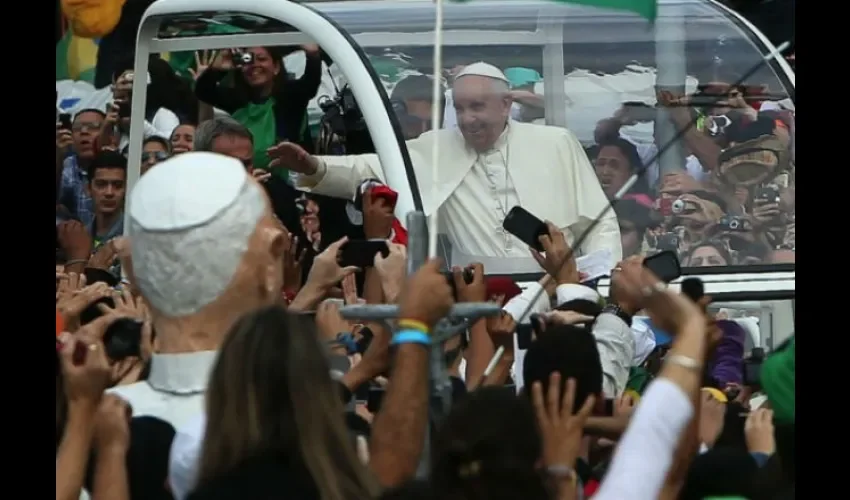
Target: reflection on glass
732 199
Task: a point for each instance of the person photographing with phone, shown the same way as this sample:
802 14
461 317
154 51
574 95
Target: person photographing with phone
159 121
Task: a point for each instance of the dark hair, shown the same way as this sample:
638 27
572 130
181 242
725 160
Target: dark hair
721 471
743 129
572 352
242 90
581 306
491 458
629 151
721 248
155 138
107 159
89 110
413 88
634 212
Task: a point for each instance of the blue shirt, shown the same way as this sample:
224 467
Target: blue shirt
72 191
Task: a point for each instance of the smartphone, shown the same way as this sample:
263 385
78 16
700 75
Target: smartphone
524 335
525 226
665 265
361 253
361 395
373 402
65 121
609 408
123 109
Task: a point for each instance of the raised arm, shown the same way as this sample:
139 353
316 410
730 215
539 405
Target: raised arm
336 176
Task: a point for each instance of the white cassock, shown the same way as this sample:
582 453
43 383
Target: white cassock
541 168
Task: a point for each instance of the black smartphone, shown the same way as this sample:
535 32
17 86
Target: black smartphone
609 408
65 121
373 402
361 395
525 226
123 109
665 265
524 335
361 253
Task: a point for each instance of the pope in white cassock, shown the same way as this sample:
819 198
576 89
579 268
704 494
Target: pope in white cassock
486 167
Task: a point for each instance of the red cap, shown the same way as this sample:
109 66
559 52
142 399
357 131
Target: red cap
502 286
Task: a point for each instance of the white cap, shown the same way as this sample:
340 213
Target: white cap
186 191
183 459
483 69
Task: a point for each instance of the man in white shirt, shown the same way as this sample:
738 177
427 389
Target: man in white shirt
206 248
487 167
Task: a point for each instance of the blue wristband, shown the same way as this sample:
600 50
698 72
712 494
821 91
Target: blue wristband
411 337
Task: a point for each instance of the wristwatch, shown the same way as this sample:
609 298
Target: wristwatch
619 312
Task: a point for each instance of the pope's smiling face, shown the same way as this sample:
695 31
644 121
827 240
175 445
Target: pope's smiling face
482 105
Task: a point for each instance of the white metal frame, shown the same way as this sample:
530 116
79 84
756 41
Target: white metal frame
315 28
299 17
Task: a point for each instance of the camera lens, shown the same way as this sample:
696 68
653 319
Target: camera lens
678 206
734 224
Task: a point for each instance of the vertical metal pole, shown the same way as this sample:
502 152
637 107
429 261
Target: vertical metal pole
670 75
417 255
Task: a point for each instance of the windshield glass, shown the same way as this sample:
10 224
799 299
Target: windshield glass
707 123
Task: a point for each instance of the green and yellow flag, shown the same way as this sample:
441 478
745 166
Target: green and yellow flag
643 8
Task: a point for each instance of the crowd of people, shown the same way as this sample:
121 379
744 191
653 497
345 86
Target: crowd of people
205 355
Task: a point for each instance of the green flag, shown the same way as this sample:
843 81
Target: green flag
643 8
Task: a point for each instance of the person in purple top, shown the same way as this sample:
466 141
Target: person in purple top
727 367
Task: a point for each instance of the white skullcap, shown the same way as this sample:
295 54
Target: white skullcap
186 191
184 455
483 69
191 219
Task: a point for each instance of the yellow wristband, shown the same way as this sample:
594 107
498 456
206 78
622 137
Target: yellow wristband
412 324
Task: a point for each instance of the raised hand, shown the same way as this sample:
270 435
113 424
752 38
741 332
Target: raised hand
560 429
427 296
326 271
392 270
293 157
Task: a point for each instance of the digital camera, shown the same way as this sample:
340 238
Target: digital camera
667 241
732 223
767 194
242 58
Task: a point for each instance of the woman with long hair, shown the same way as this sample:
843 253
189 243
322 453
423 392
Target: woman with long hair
275 425
263 96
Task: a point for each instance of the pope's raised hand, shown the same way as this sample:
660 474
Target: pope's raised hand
293 157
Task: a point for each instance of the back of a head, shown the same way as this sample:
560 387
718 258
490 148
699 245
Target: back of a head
570 351
487 448
191 219
414 88
720 472
270 394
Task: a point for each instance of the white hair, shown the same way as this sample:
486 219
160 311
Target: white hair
188 238
497 86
